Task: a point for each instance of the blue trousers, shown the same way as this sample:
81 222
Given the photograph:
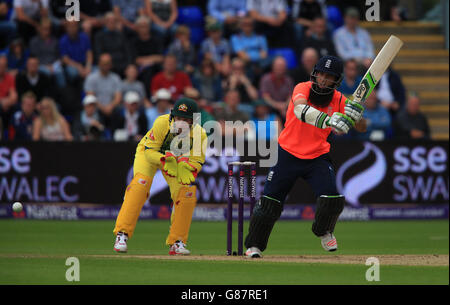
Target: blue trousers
319 173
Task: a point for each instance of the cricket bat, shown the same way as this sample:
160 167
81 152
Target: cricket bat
377 69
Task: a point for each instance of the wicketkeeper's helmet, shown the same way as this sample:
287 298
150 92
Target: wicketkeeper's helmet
184 107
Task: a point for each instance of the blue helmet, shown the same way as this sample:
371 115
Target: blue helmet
332 65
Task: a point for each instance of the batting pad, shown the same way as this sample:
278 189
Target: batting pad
181 218
327 213
135 197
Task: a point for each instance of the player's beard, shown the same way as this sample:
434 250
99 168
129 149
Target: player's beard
320 99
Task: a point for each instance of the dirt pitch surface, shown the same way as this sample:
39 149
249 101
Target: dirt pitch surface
400 260
406 260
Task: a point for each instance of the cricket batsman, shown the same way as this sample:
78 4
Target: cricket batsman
173 145
316 108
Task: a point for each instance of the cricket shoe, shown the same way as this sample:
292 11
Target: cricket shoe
253 252
178 248
121 243
329 242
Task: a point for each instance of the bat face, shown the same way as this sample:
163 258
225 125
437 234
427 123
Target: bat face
365 87
377 69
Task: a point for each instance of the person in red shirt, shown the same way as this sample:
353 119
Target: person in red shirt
316 108
170 78
8 93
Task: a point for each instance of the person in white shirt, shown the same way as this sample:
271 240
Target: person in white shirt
28 14
352 41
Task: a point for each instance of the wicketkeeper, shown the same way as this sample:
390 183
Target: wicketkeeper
175 145
316 108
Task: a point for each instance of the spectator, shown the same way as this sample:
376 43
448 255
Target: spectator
351 78
268 124
33 80
92 15
8 28
391 92
217 48
239 81
163 14
58 11
270 18
377 118
183 50
89 124
21 127
17 56
250 47
171 78
162 101
230 113
8 93
105 85
130 119
45 48
127 11
304 12
352 41
50 125
228 13
276 86
205 109
411 123
147 51
308 60
319 39
113 42
76 52
28 13
131 83
207 81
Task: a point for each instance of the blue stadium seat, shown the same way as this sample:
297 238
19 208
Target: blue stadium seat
334 16
190 16
287 53
197 34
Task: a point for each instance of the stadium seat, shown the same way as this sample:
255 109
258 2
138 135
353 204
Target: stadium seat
335 16
191 16
287 53
197 34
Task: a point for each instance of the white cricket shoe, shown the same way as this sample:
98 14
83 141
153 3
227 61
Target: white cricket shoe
178 248
329 242
253 252
121 243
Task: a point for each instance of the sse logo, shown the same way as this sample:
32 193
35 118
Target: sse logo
18 160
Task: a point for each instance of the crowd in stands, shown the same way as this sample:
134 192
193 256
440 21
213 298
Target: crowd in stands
111 74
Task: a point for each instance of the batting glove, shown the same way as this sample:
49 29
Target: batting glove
340 123
169 164
186 171
354 110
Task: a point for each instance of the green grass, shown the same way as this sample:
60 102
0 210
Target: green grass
34 252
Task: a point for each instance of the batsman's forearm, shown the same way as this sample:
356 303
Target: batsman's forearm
311 116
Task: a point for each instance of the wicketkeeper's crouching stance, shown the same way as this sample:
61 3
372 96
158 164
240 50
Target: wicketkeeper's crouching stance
316 108
175 146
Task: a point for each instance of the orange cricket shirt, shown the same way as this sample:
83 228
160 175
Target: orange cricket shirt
302 139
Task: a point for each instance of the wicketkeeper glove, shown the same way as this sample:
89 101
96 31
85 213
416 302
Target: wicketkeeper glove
354 110
340 123
186 171
169 163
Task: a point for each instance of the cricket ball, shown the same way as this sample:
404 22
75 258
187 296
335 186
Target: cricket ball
17 207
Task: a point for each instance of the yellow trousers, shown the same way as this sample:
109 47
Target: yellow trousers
136 195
